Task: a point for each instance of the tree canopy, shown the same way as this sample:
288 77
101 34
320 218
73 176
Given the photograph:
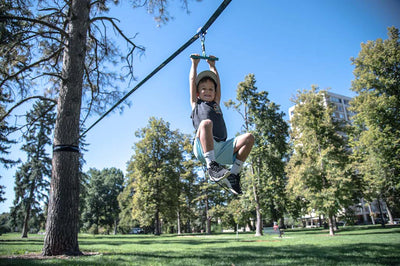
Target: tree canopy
155 170
318 169
375 139
266 182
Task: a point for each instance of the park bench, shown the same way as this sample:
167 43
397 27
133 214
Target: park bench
272 230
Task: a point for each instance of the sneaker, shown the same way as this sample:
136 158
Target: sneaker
217 172
234 182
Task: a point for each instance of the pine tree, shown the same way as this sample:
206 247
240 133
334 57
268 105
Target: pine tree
32 178
5 142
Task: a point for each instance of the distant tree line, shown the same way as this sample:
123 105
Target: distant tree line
319 164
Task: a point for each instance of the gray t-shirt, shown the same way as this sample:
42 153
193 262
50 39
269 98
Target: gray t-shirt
210 110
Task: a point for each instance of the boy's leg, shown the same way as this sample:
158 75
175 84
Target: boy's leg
204 134
243 146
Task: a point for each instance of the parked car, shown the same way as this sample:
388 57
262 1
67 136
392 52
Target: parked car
379 220
341 223
137 230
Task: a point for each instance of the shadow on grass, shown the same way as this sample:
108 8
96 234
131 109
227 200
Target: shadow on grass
222 250
354 254
359 254
20 242
366 230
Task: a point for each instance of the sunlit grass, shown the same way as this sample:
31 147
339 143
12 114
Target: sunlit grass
351 246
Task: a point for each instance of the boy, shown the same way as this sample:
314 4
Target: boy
210 145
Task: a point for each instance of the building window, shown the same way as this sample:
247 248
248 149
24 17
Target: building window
335 100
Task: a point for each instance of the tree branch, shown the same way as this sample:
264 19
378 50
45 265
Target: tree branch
111 20
25 100
30 66
35 21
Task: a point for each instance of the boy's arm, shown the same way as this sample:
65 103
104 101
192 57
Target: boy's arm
213 68
192 82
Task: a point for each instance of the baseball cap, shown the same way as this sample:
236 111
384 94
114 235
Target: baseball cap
206 73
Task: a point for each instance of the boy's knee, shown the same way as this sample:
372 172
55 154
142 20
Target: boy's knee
250 139
207 123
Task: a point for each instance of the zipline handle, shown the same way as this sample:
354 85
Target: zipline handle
204 57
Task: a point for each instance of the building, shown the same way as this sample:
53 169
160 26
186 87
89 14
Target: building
341 102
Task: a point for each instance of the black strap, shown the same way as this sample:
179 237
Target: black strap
68 148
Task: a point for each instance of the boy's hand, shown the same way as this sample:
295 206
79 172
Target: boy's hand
211 63
195 61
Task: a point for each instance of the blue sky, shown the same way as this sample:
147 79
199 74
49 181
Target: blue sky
288 45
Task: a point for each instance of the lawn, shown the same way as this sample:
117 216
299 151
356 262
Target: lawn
357 245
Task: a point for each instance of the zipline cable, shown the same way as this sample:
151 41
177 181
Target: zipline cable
202 31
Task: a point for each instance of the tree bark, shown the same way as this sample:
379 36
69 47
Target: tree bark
26 221
371 213
365 219
259 224
381 212
25 227
179 222
208 217
115 226
389 213
157 223
63 217
331 225
335 226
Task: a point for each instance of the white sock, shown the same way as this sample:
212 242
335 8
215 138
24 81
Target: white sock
209 157
236 167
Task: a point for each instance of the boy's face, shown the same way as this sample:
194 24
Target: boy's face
206 90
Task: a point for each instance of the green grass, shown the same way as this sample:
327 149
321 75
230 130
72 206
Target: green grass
358 245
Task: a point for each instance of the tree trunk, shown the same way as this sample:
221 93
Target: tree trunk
208 218
364 213
157 229
179 222
259 224
381 212
335 226
25 227
63 217
281 220
389 213
26 220
371 214
188 226
331 225
115 226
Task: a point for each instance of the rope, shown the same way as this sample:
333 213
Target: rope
203 30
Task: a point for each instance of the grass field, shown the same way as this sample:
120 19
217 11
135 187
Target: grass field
358 245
